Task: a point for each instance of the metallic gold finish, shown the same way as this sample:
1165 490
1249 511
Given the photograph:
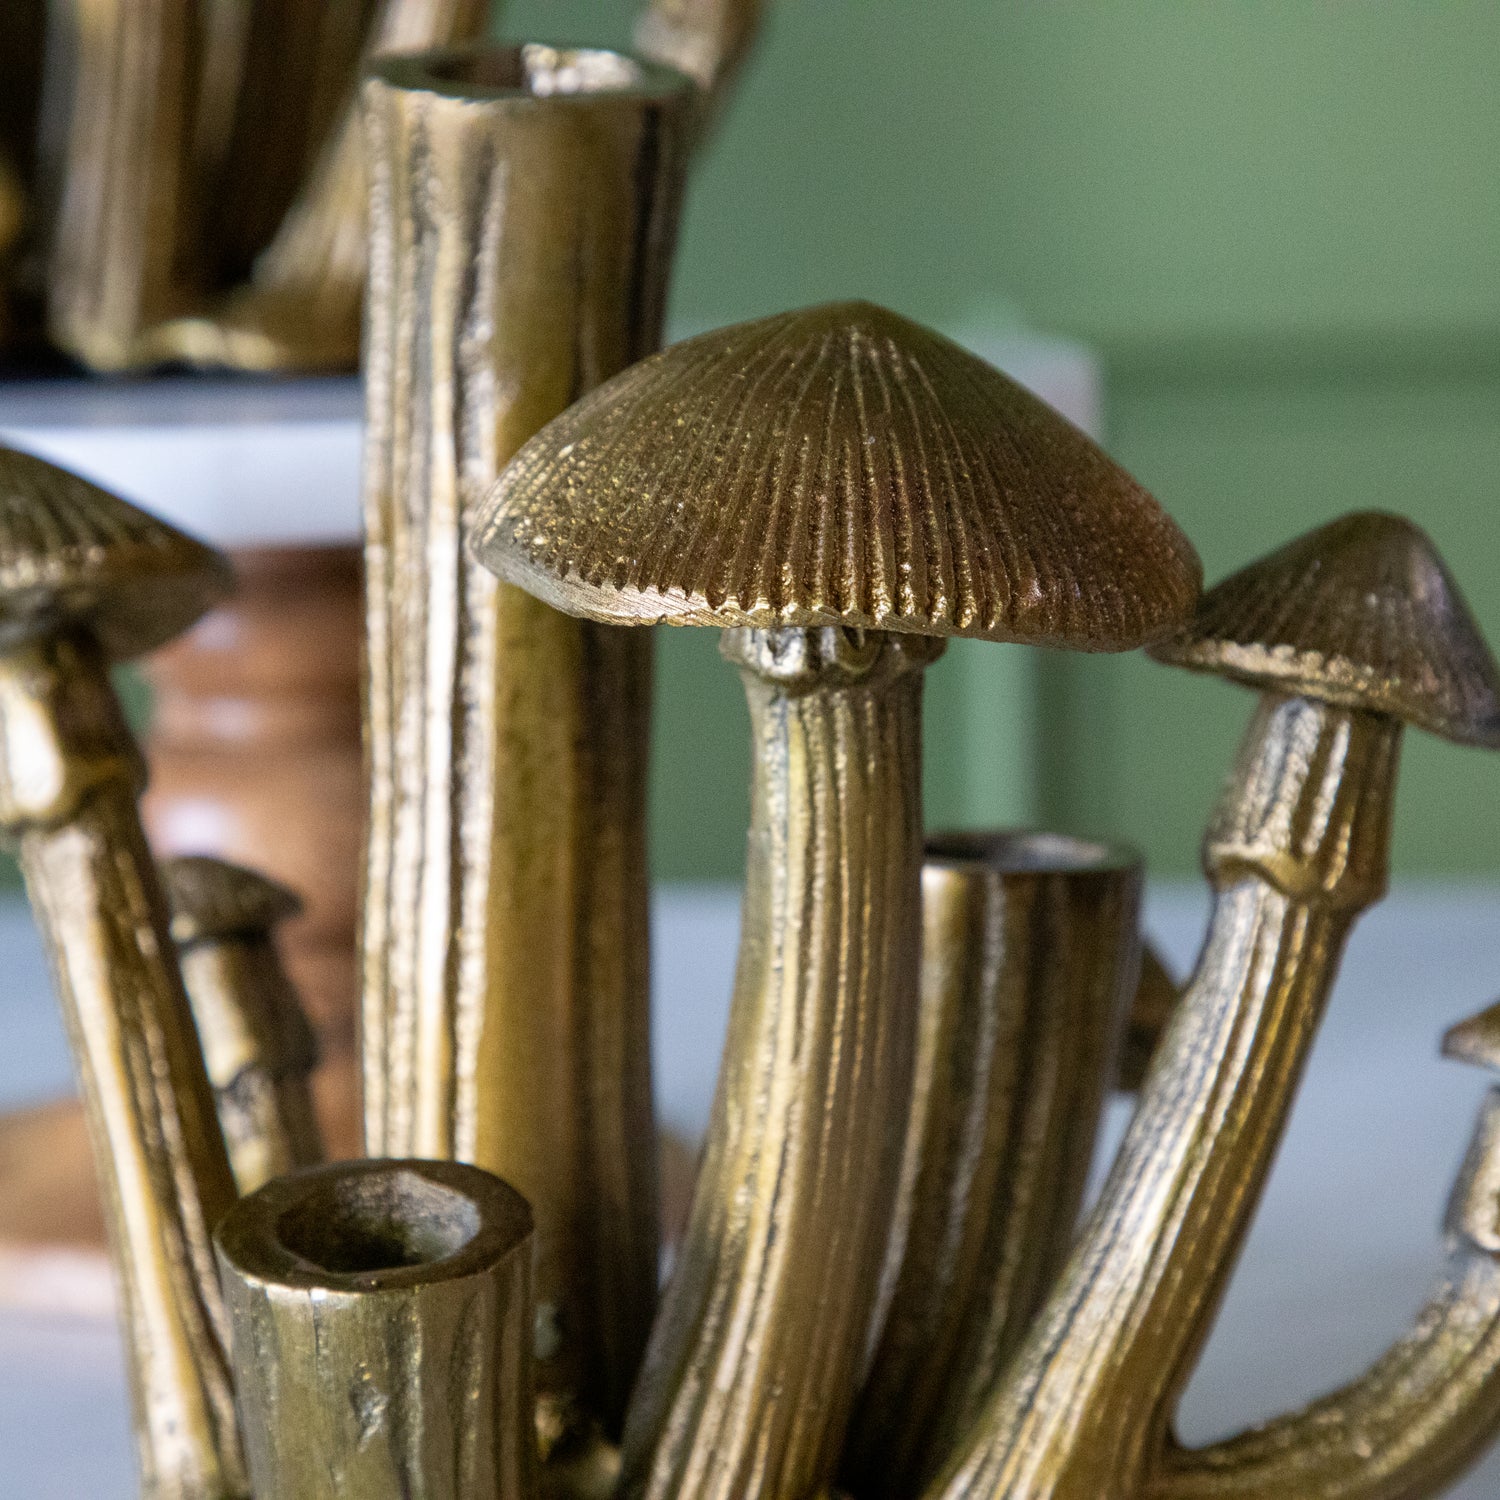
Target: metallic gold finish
122 242
836 466
382 1333
257 1044
1029 957
1411 1425
1297 847
82 574
72 554
755 1359
523 215
183 132
778 475
1361 612
300 306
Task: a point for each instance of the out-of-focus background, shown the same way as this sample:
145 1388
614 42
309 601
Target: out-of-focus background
1277 224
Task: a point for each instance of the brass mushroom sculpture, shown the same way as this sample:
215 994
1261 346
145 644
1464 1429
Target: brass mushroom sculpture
86 579
838 489
1348 633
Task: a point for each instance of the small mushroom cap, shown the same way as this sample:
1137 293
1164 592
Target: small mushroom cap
1476 1040
212 900
73 554
838 466
1361 613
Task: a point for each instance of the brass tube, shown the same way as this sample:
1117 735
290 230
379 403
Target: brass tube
756 1355
1029 960
69 778
1297 848
381 1314
523 214
1419 1417
300 307
124 245
257 1043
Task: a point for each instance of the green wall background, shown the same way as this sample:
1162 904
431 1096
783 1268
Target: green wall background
1279 223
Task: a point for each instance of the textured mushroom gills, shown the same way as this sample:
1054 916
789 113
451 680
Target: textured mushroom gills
1362 612
836 466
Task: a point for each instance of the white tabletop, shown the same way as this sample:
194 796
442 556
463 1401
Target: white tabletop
1339 1259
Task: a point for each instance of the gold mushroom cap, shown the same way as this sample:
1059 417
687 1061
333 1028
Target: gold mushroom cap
1361 613
836 466
213 900
72 553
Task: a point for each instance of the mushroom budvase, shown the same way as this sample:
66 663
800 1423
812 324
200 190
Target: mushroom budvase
839 489
1348 633
258 1046
86 579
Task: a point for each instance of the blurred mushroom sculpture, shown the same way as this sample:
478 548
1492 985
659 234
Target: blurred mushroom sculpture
183 183
200 192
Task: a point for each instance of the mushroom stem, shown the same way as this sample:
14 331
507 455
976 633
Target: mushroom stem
257 1044
522 216
69 778
1029 957
1411 1424
1298 846
382 1333
756 1355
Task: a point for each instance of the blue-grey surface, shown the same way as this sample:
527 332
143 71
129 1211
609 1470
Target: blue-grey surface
1340 1256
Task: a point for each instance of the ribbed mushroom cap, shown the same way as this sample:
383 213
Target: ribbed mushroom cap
1476 1040
1362 613
836 466
73 554
211 899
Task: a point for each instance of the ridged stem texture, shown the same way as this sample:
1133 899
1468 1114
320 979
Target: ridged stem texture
756 1355
1297 847
1029 958
519 248
71 777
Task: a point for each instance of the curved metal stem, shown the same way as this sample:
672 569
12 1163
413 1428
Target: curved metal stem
1422 1413
756 1355
71 776
1297 847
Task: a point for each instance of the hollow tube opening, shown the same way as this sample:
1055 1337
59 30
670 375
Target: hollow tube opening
377 1222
